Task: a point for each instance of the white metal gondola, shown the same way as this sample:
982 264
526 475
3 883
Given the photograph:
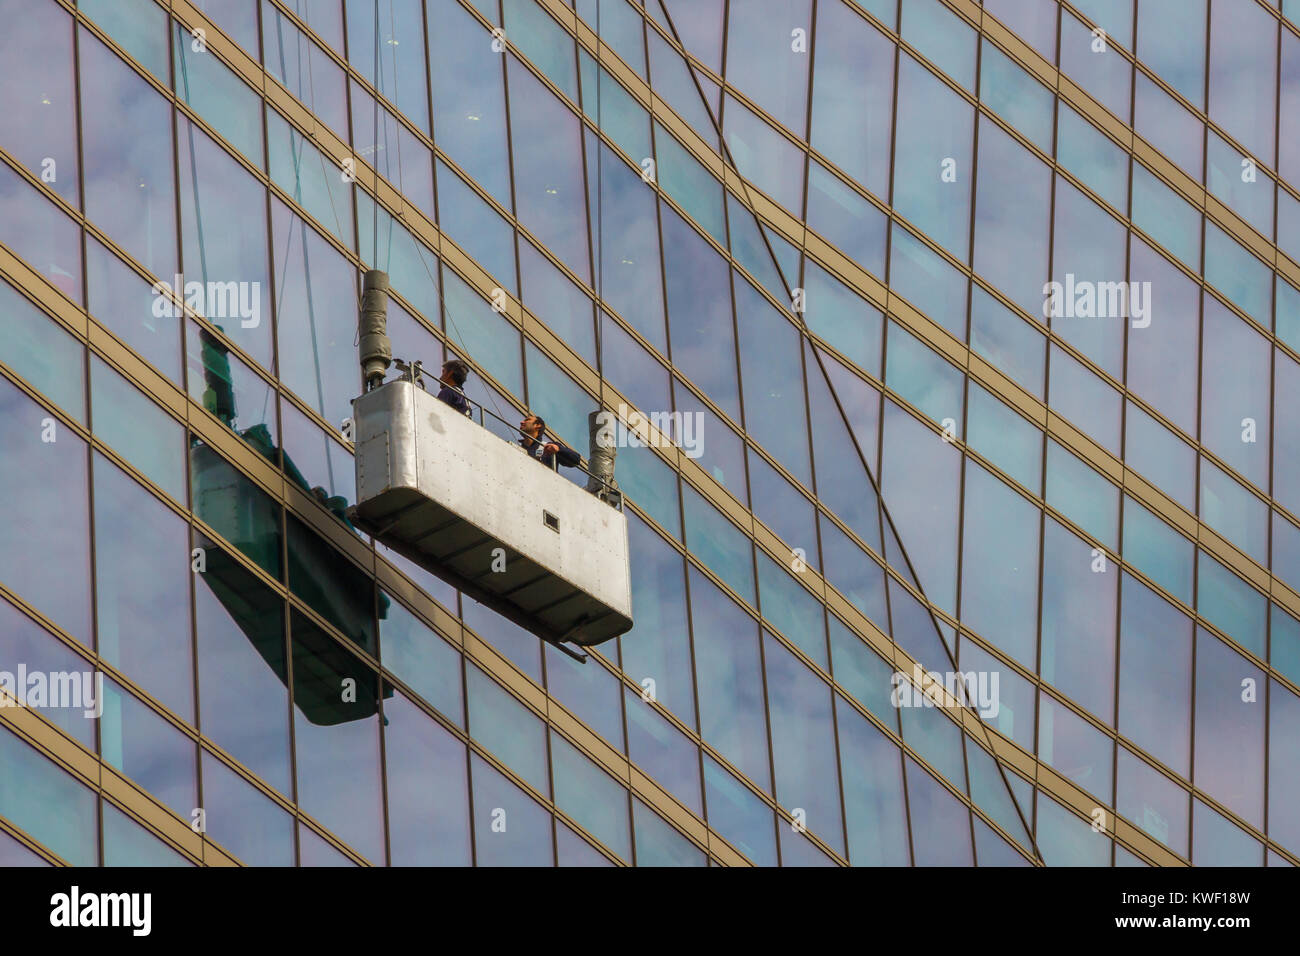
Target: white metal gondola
479 512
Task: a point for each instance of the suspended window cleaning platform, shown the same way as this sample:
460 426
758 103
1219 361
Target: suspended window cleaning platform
479 512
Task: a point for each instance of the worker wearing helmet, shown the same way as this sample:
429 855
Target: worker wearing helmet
454 373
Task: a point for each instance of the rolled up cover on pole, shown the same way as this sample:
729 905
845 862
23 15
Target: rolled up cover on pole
600 457
375 348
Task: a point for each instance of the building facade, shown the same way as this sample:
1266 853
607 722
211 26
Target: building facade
957 349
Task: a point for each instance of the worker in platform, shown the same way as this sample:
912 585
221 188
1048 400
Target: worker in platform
454 373
547 452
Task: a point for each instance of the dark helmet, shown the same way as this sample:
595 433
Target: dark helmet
458 369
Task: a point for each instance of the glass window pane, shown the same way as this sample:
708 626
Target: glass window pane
591 797
1152 801
1229 751
44 467
43 235
663 751
932 157
943 837
47 803
243 820
510 828
773 381
507 728
1243 75
150 750
853 81
999 585
1065 839
142 432
241 631
803 744
742 818
126 138
420 657
43 352
1157 550
218 95
1075 748
941 36
142 589
730 680
1082 495
873 792
38 123
548 169
25 645
336 738
428 789
1284 768
1155 676
469 116
658 844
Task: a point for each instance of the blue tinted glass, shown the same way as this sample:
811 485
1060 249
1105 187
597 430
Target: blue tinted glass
873 794
507 728
142 585
945 839
1229 750
1152 801
1078 638
510 828
1065 839
1075 747
1082 495
1014 94
1155 676
923 377
591 797
1012 203
1234 512
792 609
999 588
240 626
1006 439
803 744
47 803
846 219
1231 605
1284 768
853 85
1080 395
1091 156
932 156
740 816
126 134
1088 304
942 37
244 820
34 228
730 680
1156 452
1157 550
1171 40
1007 341
43 351
928 281
1089 60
